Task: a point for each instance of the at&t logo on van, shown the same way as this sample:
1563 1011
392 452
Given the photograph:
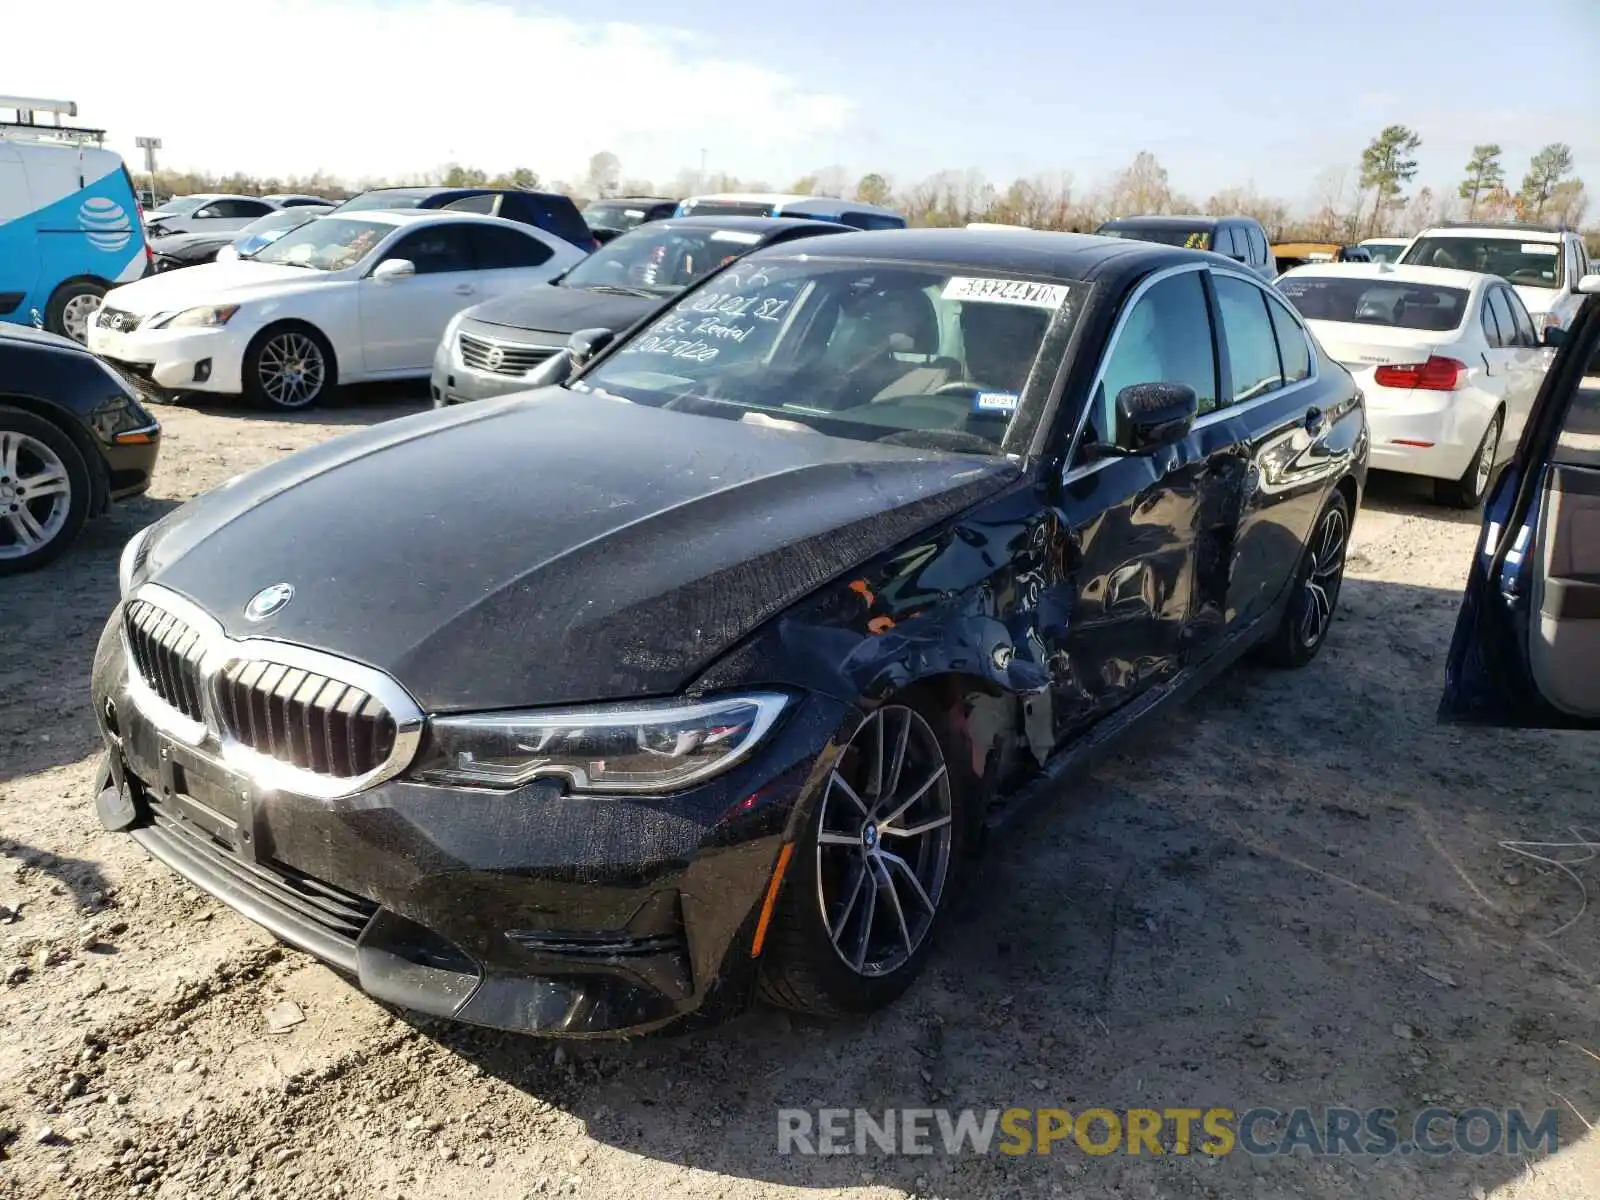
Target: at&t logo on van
106 223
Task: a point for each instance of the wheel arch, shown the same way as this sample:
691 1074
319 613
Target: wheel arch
309 326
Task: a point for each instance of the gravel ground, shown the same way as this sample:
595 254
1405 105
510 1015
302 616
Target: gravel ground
1293 894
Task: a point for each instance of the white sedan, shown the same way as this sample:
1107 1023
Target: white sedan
1448 361
338 300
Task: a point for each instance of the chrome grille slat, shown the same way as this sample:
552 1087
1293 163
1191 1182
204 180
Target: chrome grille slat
501 358
166 653
306 719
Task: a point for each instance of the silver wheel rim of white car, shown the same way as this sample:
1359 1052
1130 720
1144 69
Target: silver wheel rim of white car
292 370
35 494
883 851
1485 464
75 314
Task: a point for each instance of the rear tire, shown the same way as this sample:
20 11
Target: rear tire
71 306
45 491
1468 491
1315 598
874 869
289 368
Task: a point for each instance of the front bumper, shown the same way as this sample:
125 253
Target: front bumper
530 910
176 360
454 382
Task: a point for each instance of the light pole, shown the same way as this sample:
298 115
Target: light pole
149 145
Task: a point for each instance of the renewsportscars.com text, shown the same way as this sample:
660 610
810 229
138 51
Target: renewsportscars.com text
1211 1131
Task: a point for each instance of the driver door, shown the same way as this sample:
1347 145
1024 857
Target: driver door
1526 651
402 319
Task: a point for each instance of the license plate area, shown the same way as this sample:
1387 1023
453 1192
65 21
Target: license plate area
213 800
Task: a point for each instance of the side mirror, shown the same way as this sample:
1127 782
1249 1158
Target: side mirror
1553 336
586 343
552 372
1152 415
1589 285
394 268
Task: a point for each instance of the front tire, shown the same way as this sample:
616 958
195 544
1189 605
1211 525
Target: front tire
1309 614
873 870
1468 491
72 306
289 368
45 490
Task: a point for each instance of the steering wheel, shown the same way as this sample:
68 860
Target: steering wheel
957 387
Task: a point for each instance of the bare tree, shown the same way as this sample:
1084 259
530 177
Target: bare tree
1141 187
605 172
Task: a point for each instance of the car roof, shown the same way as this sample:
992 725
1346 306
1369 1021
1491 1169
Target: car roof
1438 276
1383 241
1080 256
632 200
788 199
1166 221
421 216
1511 233
749 224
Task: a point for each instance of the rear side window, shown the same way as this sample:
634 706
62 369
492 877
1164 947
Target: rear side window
1294 352
1166 338
555 213
488 204
1491 327
435 250
1519 313
495 247
1252 343
1503 317
1258 246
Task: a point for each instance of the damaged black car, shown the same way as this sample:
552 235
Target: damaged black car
700 673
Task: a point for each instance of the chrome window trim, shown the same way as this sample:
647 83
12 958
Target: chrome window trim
211 738
1216 415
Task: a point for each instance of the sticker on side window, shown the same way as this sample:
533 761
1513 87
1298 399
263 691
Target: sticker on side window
971 289
996 402
1540 248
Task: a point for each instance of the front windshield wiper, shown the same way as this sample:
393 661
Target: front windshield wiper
613 289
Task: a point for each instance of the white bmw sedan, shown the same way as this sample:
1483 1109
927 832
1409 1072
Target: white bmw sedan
338 300
1448 361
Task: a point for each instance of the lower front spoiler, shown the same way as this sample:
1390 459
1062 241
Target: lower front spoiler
593 988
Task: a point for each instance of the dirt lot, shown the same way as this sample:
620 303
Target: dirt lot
1293 895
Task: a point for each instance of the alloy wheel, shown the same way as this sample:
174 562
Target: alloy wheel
1486 452
292 370
35 494
76 314
1321 588
884 841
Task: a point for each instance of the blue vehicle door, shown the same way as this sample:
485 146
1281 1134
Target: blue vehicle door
1526 651
19 238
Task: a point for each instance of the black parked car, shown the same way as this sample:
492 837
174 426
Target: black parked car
73 438
610 219
703 670
489 349
550 211
1240 238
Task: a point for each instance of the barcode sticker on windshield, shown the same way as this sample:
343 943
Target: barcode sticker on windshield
1540 248
1006 291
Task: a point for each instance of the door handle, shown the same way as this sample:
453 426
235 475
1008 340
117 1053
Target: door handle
1316 419
464 289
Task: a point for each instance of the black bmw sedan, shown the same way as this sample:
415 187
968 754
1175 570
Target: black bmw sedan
699 674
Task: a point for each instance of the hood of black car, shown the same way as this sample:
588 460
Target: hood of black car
174 245
563 310
551 547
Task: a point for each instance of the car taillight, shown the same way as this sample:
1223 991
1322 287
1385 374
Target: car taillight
1436 375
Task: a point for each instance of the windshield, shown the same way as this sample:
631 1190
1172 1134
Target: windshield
182 206
905 353
326 244
1384 253
1190 237
614 216
728 208
284 218
1375 302
659 261
368 201
1528 264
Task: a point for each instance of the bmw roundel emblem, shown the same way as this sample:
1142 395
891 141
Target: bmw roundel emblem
268 600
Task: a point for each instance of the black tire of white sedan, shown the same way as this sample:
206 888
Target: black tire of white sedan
289 368
1315 594
71 307
44 491
874 870
1468 491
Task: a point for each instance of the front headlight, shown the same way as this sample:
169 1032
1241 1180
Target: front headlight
614 748
133 556
207 317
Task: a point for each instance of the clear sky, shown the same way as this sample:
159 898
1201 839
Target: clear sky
1264 91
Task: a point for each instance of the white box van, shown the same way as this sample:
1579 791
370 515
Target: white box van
70 225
